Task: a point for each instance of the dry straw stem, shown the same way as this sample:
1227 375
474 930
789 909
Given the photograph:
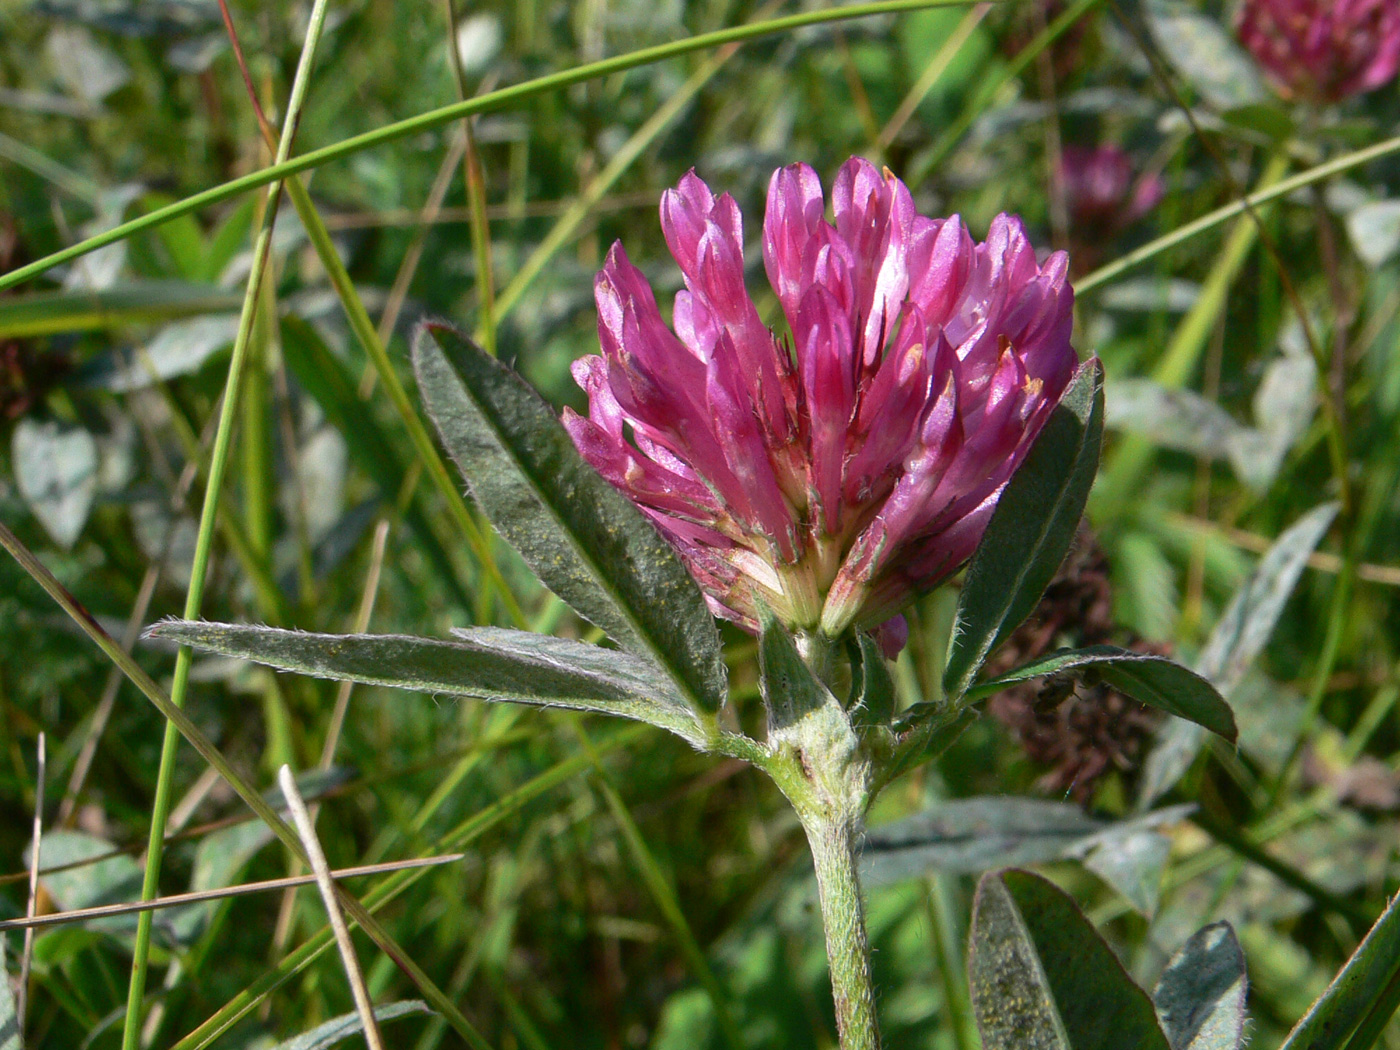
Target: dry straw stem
360 625
27 960
307 830
104 911
1322 561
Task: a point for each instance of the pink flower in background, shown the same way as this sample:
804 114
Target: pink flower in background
1101 191
1323 50
833 470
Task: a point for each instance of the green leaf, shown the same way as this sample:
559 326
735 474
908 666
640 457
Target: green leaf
872 690
490 664
1043 979
581 536
1357 987
183 239
1268 119
1148 679
338 1029
229 238
807 722
1236 641
1030 530
1200 998
923 733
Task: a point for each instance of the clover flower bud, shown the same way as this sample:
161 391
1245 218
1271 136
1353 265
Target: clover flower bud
1102 192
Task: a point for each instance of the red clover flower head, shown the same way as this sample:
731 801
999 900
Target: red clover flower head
1323 50
1101 188
834 468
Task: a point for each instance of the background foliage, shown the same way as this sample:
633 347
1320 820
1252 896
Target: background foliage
1231 422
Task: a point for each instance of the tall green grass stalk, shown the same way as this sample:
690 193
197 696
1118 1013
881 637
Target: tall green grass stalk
218 463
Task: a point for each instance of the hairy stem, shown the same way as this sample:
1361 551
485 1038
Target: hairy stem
843 917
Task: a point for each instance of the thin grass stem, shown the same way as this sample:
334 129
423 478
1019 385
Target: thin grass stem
218 462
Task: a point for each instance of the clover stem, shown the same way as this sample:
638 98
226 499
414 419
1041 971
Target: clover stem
843 917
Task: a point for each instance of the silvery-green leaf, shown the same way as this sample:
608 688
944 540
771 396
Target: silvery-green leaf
317 491
100 270
1133 864
1043 979
582 537
113 880
1205 54
87 68
972 835
56 472
195 55
1284 406
1270 715
1186 422
1030 530
1149 295
478 40
1176 419
1374 228
9 1019
480 665
1200 998
1147 678
218 860
1235 642
178 349
338 1029
222 855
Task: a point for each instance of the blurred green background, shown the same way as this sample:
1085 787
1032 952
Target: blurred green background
1231 420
